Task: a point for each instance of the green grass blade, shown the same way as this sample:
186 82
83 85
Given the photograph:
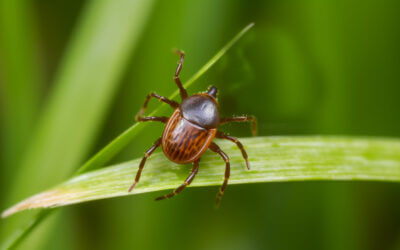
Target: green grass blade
122 140
21 82
272 159
84 87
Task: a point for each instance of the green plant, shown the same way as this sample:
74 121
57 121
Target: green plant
84 86
272 159
308 68
115 146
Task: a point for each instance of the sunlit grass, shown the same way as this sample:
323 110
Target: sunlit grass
272 159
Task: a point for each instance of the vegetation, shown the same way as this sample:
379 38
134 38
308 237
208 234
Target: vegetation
325 75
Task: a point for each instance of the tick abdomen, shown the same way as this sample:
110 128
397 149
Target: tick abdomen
183 141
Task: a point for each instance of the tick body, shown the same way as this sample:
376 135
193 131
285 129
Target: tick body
184 141
190 131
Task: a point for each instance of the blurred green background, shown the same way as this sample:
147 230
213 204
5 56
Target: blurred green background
307 67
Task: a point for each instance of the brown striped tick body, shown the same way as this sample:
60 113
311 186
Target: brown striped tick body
190 131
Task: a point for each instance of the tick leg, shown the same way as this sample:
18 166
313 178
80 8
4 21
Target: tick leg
215 148
187 182
177 80
146 155
250 118
139 117
238 143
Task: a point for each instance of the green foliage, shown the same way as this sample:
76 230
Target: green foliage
83 89
116 145
272 159
74 73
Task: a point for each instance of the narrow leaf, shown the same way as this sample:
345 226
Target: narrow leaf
21 82
84 86
272 159
115 146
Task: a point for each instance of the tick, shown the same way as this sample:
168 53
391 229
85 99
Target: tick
190 131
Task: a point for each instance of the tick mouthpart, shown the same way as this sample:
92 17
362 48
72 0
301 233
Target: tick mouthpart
212 91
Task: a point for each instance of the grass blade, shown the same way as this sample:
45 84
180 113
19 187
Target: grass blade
82 91
84 87
21 82
272 159
122 140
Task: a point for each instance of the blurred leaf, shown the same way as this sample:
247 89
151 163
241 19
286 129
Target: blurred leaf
83 90
117 144
84 86
271 158
21 82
